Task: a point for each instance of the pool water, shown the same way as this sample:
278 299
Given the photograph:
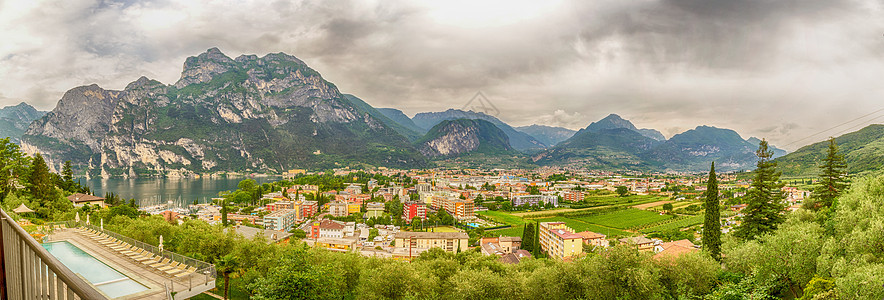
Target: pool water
110 281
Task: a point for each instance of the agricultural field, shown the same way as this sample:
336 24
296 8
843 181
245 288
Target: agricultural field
657 204
580 225
677 223
628 200
625 219
502 217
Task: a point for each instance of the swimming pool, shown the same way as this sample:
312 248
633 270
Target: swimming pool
110 281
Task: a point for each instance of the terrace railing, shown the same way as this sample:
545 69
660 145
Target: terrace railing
28 271
204 269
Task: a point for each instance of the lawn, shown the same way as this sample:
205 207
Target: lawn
579 225
502 217
624 219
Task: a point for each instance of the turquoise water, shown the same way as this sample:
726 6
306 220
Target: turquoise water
154 191
474 225
110 281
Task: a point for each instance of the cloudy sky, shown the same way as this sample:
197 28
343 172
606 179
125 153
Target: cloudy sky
785 70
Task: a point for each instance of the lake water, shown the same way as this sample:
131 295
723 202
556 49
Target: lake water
154 191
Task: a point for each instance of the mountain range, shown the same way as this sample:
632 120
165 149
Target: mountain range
249 114
275 113
615 143
548 135
14 120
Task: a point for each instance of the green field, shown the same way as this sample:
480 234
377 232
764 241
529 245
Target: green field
579 225
628 200
512 231
502 217
676 224
625 219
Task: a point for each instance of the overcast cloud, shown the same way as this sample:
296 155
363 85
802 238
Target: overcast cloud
780 70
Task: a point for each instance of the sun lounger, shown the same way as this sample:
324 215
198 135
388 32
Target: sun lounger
163 262
135 252
186 272
177 270
169 267
147 257
155 259
132 251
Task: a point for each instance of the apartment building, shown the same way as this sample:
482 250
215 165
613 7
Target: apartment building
559 240
448 241
281 220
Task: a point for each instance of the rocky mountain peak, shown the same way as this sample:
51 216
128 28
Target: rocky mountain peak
612 121
201 68
142 82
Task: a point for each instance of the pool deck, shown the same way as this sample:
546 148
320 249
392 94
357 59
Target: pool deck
149 277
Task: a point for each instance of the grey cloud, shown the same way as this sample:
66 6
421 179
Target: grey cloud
664 64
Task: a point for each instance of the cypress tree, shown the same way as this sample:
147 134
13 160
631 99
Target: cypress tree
764 207
528 237
712 224
831 181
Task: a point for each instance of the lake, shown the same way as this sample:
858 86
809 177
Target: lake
154 191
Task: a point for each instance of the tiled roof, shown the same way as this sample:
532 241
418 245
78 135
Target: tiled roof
591 235
78 197
674 251
565 235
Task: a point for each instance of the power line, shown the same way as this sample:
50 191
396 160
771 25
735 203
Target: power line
839 125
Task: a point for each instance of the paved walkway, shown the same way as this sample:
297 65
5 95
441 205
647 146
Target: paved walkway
150 277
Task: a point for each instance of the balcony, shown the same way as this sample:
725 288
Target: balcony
29 271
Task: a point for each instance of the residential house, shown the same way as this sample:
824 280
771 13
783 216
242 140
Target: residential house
594 239
79 200
639 242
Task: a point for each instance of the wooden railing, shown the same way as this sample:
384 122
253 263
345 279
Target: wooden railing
28 271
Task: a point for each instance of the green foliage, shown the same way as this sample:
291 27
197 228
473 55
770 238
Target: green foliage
832 181
622 191
764 209
712 222
667 207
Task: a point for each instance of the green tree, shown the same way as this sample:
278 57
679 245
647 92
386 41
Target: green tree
764 207
225 265
13 166
67 177
528 237
712 222
622 191
667 207
832 181
41 185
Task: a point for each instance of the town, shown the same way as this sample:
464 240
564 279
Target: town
399 214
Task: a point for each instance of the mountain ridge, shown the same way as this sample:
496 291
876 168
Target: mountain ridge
249 114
